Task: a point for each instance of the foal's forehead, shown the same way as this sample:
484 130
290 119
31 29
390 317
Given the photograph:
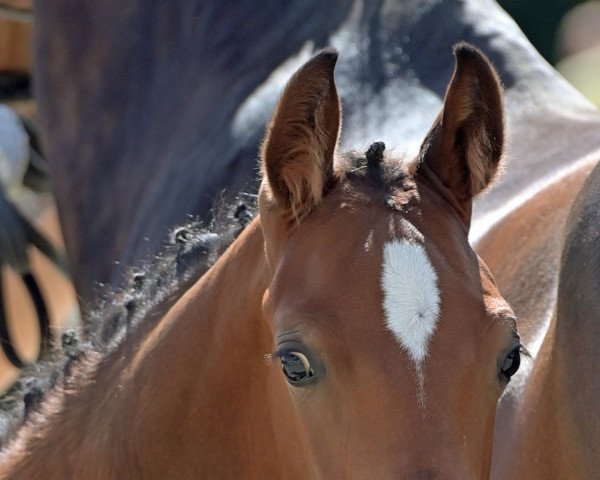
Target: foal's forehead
387 191
364 185
394 245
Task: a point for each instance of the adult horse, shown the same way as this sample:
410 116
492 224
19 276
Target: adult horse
123 71
359 277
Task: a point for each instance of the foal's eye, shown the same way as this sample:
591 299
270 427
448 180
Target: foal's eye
512 363
296 367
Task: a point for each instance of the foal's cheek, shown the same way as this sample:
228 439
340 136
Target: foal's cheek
324 421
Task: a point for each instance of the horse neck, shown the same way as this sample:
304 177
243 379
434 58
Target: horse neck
546 442
564 389
538 407
192 395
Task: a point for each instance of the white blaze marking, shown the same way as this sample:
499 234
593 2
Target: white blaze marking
411 298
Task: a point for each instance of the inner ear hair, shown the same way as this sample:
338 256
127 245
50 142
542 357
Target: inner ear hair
464 146
473 110
299 147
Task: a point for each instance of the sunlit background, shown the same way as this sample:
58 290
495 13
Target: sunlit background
567 34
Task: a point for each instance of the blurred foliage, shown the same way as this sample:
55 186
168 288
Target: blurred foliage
583 71
539 20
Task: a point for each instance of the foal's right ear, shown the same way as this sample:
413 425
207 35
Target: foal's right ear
298 150
463 149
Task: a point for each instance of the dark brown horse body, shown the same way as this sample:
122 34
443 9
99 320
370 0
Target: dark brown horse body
125 136
143 106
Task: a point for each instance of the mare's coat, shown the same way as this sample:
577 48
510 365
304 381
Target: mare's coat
124 71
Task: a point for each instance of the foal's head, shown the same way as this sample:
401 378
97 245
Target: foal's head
392 336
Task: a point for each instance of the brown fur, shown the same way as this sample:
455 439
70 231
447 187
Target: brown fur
191 397
298 150
464 147
538 421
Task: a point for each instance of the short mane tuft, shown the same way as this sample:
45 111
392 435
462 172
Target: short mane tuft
374 154
150 290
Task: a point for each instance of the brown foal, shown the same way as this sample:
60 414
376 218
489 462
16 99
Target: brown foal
387 342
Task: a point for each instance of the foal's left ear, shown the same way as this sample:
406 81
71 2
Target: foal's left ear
464 146
298 150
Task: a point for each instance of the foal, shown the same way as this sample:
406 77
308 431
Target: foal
388 344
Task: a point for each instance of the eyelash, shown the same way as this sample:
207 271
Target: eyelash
526 353
278 353
269 358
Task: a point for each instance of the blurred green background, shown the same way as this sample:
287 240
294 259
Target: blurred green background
567 34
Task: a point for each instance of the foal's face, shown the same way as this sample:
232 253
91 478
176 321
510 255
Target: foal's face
392 337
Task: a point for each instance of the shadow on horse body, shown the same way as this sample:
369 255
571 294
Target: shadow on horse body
390 342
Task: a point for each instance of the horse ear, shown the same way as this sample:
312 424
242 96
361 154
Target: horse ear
464 146
298 149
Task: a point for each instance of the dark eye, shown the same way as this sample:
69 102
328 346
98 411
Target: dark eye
512 363
296 367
